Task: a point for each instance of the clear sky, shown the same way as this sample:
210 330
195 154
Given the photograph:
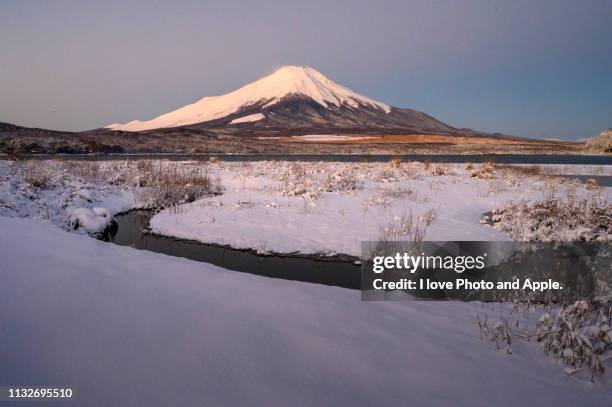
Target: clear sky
537 68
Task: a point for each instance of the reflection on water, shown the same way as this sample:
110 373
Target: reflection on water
603 180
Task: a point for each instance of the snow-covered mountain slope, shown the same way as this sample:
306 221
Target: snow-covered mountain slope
289 81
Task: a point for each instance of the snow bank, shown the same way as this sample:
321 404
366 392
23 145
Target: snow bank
92 221
65 191
157 331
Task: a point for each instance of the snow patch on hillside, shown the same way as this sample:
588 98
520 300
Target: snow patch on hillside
289 80
250 118
330 137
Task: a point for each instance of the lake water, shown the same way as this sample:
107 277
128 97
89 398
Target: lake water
474 158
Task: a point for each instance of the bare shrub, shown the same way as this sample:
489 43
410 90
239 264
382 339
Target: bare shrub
296 181
244 204
400 193
577 334
550 190
36 175
404 228
88 170
165 186
439 171
378 200
217 186
145 166
396 162
431 215
307 206
499 185
261 248
500 332
387 195
426 165
484 172
386 175
343 181
556 220
528 170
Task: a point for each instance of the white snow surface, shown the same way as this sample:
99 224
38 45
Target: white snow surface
132 328
268 208
66 198
247 119
289 80
93 220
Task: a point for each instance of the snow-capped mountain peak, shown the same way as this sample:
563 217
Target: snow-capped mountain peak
286 81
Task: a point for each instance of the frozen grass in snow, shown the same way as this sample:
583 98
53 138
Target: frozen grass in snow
67 192
63 191
553 219
309 207
578 335
329 207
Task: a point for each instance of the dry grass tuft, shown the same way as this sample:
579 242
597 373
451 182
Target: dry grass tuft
431 215
406 228
36 174
439 171
553 219
396 162
486 171
164 186
525 170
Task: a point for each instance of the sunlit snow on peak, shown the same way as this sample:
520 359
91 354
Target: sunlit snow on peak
288 80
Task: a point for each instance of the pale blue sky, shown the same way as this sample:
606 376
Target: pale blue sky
539 68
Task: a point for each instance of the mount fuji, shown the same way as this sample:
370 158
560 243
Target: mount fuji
271 116
292 100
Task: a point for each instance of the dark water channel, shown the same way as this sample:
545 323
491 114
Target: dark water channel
132 230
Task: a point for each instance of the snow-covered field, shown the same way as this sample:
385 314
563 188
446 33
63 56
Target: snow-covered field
62 192
286 207
128 327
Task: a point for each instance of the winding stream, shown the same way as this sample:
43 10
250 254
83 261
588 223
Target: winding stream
342 271
132 230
